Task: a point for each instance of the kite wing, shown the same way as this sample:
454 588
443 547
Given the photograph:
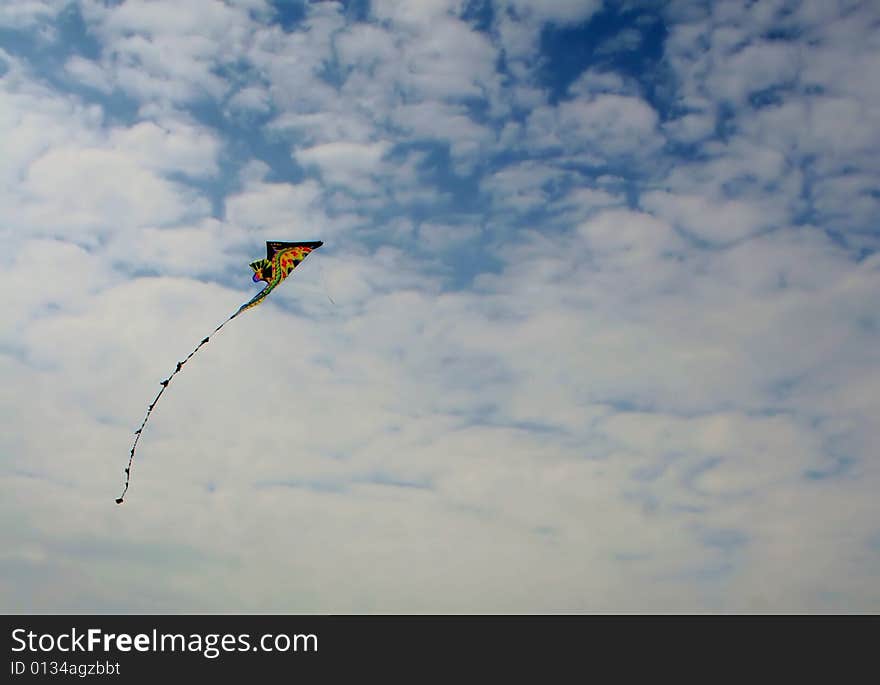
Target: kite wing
281 259
273 246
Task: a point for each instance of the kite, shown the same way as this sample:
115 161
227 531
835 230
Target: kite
281 259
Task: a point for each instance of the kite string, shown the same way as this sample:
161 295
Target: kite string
324 283
164 384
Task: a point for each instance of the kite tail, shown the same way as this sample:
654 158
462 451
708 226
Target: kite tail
164 384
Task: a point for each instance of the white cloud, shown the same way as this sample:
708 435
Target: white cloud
152 58
275 207
448 236
67 176
172 147
522 187
365 46
428 121
29 13
756 67
89 73
818 117
202 249
717 222
97 191
418 16
291 63
348 164
34 119
450 61
607 124
252 98
581 202
691 127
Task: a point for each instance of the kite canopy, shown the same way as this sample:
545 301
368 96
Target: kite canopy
294 253
281 259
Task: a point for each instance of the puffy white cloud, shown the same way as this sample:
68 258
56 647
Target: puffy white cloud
448 236
819 108
272 207
722 221
69 175
29 13
251 99
92 190
89 73
430 121
524 186
691 127
152 58
172 147
607 124
352 165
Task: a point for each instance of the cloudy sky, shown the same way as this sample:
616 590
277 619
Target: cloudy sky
594 328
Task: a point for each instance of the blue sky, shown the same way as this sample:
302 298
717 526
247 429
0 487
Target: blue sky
594 327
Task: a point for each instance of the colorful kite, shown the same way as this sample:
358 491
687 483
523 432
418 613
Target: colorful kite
281 259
